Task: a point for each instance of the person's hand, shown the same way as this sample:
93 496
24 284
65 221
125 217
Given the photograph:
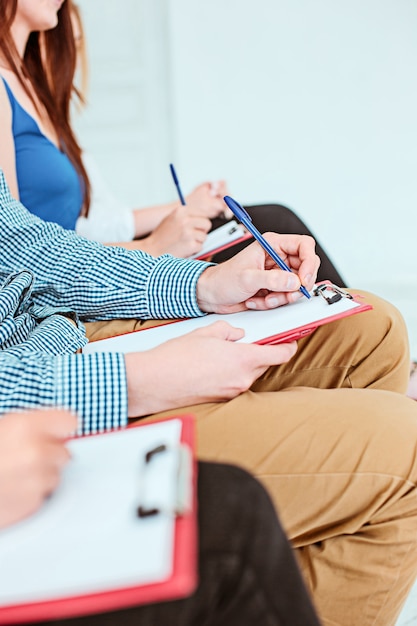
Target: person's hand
182 233
206 365
32 455
207 198
252 280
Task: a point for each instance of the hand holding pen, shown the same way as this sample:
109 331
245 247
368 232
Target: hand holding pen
243 216
206 199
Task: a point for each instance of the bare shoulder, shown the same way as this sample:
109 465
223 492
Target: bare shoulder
7 147
5 107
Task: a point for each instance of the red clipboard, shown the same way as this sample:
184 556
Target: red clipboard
181 583
222 238
298 333
281 325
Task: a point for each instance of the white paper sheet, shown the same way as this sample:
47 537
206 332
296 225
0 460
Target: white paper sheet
88 537
257 325
225 234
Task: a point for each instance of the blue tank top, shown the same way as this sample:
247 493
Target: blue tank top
49 185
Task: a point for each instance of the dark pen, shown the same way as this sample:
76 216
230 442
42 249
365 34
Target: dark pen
243 216
177 184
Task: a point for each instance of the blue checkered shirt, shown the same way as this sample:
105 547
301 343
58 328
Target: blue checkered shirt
49 278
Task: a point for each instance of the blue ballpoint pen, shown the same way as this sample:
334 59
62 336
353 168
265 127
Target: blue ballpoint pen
177 184
243 216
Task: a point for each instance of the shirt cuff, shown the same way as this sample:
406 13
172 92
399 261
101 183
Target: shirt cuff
172 288
94 387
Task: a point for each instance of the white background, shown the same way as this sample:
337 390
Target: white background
308 103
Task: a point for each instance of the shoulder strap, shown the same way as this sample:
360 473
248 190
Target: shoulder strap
8 91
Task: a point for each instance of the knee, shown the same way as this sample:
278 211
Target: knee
384 317
384 427
383 326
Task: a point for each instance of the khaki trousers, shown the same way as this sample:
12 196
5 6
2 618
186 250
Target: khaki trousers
334 440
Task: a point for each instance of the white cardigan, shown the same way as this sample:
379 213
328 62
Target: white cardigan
109 220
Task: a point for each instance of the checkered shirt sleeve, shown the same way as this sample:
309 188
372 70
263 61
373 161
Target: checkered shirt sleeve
97 283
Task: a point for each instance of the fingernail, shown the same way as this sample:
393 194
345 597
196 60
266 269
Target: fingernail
213 188
251 304
307 279
273 302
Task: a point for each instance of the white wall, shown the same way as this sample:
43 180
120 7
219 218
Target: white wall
312 103
309 103
126 123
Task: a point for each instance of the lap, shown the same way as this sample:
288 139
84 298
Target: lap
321 453
328 414
235 543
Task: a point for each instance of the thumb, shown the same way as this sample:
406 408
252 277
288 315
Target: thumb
221 330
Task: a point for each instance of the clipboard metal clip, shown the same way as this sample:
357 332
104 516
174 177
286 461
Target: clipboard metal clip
174 496
331 293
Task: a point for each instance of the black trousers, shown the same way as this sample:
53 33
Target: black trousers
280 219
247 571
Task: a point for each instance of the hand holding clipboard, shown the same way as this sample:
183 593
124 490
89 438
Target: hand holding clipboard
97 553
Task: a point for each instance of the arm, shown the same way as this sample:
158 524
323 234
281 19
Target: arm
248 280
96 281
106 388
181 233
7 150
109 220
147 219
32 455
91 386
183 378
170 228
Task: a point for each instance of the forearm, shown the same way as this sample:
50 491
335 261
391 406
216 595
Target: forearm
91 386
96 281
147 219
125 287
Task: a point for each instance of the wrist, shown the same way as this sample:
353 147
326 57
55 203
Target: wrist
140 377
206 292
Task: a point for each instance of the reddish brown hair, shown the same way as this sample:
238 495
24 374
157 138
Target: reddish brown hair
51 73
